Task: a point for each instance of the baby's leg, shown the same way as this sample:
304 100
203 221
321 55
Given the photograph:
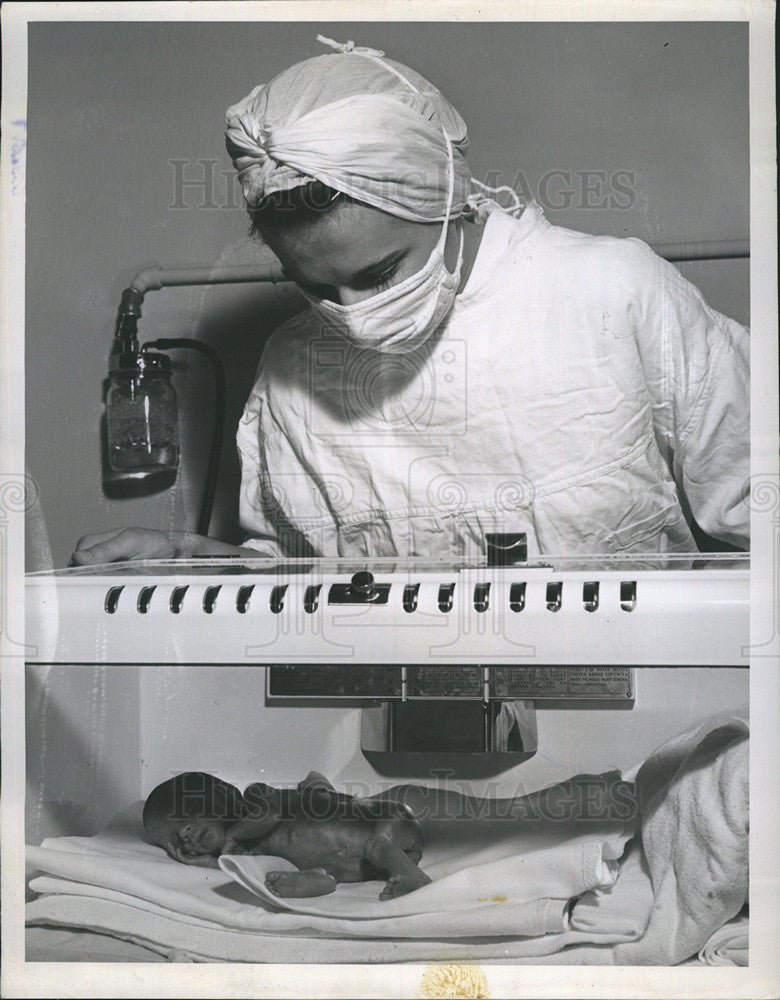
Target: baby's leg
312 882
584 795
384 849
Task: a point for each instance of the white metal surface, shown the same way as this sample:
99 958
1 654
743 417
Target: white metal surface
688 611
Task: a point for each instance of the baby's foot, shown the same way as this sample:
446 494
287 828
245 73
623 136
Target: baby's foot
294 885
400 885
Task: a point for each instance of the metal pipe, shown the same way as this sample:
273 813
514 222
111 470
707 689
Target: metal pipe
703 250
152 278
157 276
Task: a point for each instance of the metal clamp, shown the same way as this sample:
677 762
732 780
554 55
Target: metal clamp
590 595
144 598
628 595
360 590
210 598
112 599
311 598
481 596
554 596
411 590
242 598
277 598
446 591
177 598
517 597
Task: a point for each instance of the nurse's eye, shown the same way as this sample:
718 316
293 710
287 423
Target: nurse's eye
375 281
386 280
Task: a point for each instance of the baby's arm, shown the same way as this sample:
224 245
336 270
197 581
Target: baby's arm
266 807
315 798
318 799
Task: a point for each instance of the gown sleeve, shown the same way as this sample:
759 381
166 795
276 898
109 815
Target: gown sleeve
256 510
263 500
696 364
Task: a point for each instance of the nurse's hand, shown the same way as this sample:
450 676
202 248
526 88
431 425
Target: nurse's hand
147 543
130 543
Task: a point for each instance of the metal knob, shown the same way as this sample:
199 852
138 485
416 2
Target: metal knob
362 585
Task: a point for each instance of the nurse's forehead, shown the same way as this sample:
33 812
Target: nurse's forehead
347 240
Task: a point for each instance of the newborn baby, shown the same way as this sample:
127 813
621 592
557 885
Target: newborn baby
330 837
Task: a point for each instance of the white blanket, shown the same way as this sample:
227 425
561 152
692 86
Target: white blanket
693 795
729 945
500 896
508 879
498 877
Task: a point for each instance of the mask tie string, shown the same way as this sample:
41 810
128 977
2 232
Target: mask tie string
480 204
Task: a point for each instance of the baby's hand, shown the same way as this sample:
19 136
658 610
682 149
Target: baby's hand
232 846
199 860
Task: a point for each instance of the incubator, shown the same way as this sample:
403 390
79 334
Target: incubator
493 678
608 610
448 663
497 682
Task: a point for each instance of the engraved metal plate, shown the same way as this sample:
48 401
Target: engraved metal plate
445 682
334 681
596 682
462 682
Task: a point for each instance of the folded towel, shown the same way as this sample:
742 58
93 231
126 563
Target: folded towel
729 945
623 908
479 922
693 795
163 932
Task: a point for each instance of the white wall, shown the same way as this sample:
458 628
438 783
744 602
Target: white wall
111 105
83 746
213 719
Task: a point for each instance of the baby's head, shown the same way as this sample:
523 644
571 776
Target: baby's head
192 812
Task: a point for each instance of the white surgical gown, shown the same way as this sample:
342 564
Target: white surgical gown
580 391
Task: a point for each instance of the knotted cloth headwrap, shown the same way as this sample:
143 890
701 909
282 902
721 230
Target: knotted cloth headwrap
361 124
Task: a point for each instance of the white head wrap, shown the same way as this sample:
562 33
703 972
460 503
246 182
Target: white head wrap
361 124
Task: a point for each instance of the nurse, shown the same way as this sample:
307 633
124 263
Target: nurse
461 369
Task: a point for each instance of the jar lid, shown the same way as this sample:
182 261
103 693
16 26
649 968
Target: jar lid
139 362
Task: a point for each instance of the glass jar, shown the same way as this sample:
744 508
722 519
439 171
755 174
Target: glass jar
141 415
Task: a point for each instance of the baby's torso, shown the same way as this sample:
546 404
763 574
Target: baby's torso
335 845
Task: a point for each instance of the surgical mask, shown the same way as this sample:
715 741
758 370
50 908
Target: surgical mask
401 318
